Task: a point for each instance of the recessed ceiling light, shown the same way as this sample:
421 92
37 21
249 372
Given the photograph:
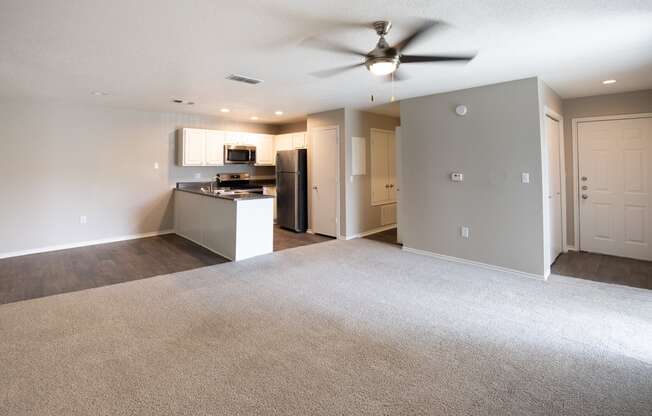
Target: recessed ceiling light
278 113
99 93
225 110
177 101
190 103
254 118
609 81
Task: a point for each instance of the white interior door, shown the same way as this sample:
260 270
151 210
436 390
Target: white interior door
614 180
554 188
391 166
324 173
379 162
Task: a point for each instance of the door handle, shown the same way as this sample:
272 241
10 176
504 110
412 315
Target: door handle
585 196
391 185
584 178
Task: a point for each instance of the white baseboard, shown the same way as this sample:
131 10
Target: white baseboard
571 248
82 244
373 231
475 263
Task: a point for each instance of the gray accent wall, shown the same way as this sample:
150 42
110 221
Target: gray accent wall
59 162
361 216
492 145
595 106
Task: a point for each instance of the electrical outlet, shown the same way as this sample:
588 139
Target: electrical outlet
82 219
464 231
525 177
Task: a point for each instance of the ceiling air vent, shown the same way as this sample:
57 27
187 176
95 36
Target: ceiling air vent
246 80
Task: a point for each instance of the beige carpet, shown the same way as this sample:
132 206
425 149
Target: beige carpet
355 327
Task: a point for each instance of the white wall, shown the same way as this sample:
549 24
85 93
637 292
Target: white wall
59 162
492 145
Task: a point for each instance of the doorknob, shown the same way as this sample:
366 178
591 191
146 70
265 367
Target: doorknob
314 187
585 196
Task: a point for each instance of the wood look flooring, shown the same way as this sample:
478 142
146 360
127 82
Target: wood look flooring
44 274
284 239
606 269
387 236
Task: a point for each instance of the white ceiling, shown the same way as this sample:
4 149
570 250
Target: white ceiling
145 53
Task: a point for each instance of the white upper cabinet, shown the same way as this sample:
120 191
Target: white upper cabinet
192 149
199 147
233 137
214 147
265 154
383 167
299 140
284 142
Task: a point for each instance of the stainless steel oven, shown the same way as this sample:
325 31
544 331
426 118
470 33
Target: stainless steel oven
239 154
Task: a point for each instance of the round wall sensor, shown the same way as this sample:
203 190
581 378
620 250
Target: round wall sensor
461 110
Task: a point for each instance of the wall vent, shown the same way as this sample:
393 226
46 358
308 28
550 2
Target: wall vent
246 80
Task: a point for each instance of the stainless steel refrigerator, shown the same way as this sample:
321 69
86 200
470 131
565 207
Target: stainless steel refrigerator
292 189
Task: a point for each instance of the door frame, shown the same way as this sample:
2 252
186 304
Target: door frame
576 158
549 112
338 218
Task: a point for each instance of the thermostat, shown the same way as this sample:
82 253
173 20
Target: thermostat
457 177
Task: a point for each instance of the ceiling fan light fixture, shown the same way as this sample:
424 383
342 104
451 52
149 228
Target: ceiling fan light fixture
382 66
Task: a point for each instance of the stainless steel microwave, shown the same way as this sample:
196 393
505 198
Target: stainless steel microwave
239 154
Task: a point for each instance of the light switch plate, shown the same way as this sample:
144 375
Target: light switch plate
525 177
464 231
457 177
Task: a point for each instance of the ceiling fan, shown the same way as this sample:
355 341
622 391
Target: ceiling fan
384 59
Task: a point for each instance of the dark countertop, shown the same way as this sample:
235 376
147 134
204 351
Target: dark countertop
195 188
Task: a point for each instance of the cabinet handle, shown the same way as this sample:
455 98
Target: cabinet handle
391 185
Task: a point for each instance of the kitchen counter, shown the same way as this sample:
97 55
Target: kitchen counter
230 197
234 226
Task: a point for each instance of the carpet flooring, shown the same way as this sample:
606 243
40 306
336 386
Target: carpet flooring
343 327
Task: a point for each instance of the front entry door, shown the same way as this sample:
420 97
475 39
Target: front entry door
615 158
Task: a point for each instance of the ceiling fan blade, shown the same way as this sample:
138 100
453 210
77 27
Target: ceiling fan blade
419 32
335 71
326 45
406 59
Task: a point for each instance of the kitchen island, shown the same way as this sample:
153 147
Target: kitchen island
234 225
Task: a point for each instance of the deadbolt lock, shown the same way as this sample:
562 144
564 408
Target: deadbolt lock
584 178
585 196
584 188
